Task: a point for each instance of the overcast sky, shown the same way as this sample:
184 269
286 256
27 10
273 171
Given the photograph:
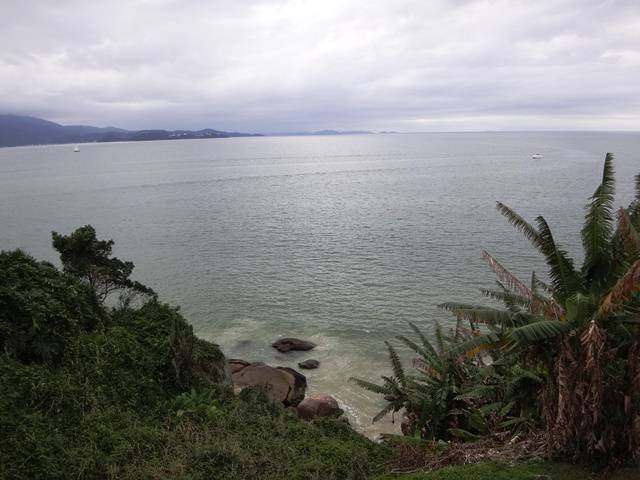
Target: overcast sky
265 66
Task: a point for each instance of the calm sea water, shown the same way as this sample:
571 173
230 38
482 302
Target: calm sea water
340 240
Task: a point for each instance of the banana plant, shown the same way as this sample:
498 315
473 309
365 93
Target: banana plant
582 328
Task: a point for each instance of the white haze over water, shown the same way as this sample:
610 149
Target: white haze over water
266 66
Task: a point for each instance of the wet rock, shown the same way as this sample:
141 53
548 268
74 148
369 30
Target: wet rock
281 384
287 344
319 405
236 365
298 384
309 364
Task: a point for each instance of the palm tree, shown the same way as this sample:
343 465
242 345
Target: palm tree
582 328
430 397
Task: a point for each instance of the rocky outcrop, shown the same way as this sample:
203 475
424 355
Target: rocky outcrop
284 345
309 364
281 384
319 405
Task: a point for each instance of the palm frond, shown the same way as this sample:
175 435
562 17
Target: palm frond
455 306
621 292
392 383
440 340
580 307
599 223
537 283
551 308
537 331
371 387
521 224
536 303
564 278
425 341
492 317
475 346
427 355
508 298
479 391
396 365
634 208
430 369
507 277
382 413
629 236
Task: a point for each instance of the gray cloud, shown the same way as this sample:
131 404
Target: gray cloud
294 65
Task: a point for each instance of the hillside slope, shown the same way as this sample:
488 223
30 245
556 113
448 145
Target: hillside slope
17 130
129 393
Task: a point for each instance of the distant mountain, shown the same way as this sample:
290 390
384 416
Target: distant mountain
323 132
16 130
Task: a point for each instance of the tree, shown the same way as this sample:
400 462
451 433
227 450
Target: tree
41 310
582 328
89 259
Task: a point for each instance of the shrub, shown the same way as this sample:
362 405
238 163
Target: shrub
41 310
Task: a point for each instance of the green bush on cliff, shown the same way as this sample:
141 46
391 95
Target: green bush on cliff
94 392
41 311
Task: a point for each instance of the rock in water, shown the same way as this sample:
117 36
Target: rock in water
309 364
319 406
287 344
281 384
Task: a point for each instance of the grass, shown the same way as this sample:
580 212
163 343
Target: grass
531 471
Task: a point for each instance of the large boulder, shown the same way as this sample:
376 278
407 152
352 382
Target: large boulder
235 365
319 406
284 345
281 384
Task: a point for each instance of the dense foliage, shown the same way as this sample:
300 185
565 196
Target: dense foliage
579 335
450 395
90 391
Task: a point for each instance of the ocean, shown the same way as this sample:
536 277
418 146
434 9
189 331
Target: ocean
340 240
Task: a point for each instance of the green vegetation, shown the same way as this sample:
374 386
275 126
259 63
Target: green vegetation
98 387
449 397
498 471
90 391
575 344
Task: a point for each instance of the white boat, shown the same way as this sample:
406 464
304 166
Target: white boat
537 156
76 149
